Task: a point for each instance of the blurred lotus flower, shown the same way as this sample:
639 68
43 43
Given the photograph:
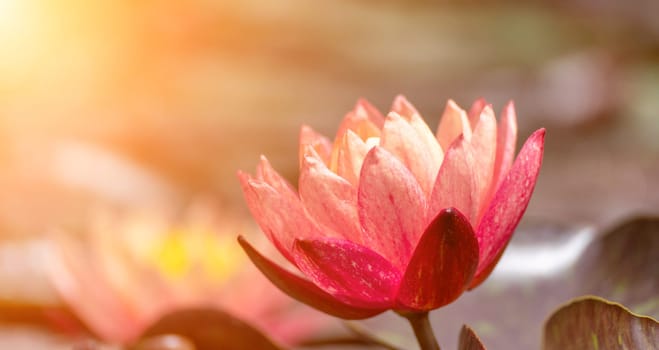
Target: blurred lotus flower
127 273
392 216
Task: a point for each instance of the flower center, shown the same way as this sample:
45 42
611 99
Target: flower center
182 252
372 142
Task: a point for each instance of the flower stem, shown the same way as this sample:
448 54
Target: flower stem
422 330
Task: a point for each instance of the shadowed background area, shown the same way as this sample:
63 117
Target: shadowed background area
128 105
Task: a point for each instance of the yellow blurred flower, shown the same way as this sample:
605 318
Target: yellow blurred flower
126 271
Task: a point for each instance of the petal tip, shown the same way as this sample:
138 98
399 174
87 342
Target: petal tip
538 137
393 115
402 105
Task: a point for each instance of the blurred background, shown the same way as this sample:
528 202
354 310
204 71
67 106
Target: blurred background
125 105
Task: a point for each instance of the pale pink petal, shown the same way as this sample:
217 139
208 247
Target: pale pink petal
475 111
305 291
143 290
74 274
363 107
443 263
329 199
361 122
454 123
510 201
402 140
281 216
351 156
348 270
484 144
456 183
266 173
310 138
405 109
391 206
506 141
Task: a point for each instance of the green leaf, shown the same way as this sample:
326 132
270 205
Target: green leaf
206 329
469 340
595 323
621 266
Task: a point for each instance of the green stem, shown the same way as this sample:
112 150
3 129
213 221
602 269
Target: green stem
422 330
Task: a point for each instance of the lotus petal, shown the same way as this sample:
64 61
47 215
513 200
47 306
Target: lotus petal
303 290
510 201
391 206
348 270
442 265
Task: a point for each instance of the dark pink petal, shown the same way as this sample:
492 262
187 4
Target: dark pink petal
454 122
484 144
475 111
348 271
310 138
329 199
403 141
391 206
510 201
303 290
456 183
280 216
443 263
506 141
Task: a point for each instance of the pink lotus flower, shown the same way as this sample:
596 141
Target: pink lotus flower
392 216
128 271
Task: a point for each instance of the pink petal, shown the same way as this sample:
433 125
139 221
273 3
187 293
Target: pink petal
363 107
303 290
506 140
266 173
475 111
89 293
510 201
280 215
360 121
454 123
443 263
310 138
391 206
484 143
348 270
487 270
425 135
329 199
403 107
351 156
402 140
456 183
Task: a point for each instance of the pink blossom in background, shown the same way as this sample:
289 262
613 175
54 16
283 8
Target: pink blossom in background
128 271
390 215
